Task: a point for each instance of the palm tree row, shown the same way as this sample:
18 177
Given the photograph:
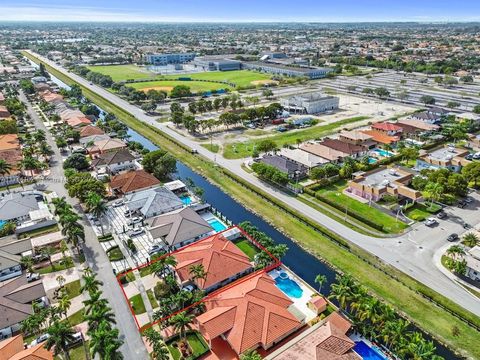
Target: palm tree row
379 322
69 220
104 338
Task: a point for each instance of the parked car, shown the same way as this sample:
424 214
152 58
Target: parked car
469 199
461 204
126 212
118 203
39 339
136 232
476 156
32 276
135 220
188 288
281 129
469 157
77 339
442 215
431 222
155 249
39 258
452 237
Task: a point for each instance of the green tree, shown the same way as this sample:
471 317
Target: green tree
180 91
471 172
427 99
76 161
433 192
320 279
61 334
382 92
470 239
267 145
182 322
251 355
160 350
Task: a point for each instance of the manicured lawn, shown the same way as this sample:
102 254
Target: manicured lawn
38 232
137 304
334 194
238 77
76 318
248 248
77 353
152 299
212 147
420 212
107 237
237 150
123 72
115 254
168 85
73 288
196 342
404 294
57 266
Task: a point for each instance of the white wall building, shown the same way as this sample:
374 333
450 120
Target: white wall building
313 103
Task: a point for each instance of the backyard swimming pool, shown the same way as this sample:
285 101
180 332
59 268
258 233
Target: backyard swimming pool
288 286
2 224
186 199
368 353
383 153
372 160
216 225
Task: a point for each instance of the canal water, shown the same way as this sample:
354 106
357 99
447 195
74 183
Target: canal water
297 259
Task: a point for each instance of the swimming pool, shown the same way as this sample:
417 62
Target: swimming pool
372 160
289 286
216 225
383 153
2 224
186 199
368 353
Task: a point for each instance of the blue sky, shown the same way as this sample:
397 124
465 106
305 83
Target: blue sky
241 10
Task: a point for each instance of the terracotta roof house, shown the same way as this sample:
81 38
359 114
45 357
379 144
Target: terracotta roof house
88 141
79 121
251 314
153 202
133 181
221 259
417 124
90 130
104 146
4 113
324 152
381 138
50 96
292 168
13 349
179 227
354 151
9 142
16 297
114 161
357 138
326 340
11 152
387 128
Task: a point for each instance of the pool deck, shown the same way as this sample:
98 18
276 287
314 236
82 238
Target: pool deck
307 292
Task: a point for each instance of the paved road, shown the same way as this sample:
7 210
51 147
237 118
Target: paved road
133 347
411 253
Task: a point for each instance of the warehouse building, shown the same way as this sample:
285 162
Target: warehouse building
311 73
215 63
166 59
313 103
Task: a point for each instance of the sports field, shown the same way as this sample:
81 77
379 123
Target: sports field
133 72
167 85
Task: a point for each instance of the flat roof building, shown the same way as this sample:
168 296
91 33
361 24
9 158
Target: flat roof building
290 71
215 63
449 158
312 103
166 59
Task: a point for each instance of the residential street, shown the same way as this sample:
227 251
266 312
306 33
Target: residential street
133 347
412 253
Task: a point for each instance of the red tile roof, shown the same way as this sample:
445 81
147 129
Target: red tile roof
386 126
381 138
12 349
90 130
249 314
9 142
133 181
221 260
77 121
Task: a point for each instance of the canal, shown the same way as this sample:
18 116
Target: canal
297 259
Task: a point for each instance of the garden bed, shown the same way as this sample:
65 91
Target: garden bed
115 254
196 342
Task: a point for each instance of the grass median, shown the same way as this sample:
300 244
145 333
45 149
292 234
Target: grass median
405 294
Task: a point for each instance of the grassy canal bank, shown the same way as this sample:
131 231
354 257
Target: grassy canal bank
432 312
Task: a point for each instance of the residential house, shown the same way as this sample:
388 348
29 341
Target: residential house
354 151
179 227
293 169
416 127
426 117
78 121
16 298
11 250
435 110
90 130
105 146
2 98
356 137
13 349
473 263
252 313
329 154
448 157
17 207
326 340
4 113
88 141
114 161
382 138
304 158
373 185
11 152
152 202
133 181
387 128
221 259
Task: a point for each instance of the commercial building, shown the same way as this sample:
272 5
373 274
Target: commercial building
473 263
373 185
290 71
166 59
312 103
449 158
215 63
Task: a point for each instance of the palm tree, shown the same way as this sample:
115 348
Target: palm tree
181 323
394 332
30 164
455 250
320 279
48 251
99 315
27 263
45 150
160 350
433 191
94 301
251 355
91 284
105 342
470 240
342 290
96 206
64 304
61 334
60 280
197 272
5 168
159 267
74 234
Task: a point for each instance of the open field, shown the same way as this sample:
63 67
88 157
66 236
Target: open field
123 72
238 77
395 287
167 85
237 150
